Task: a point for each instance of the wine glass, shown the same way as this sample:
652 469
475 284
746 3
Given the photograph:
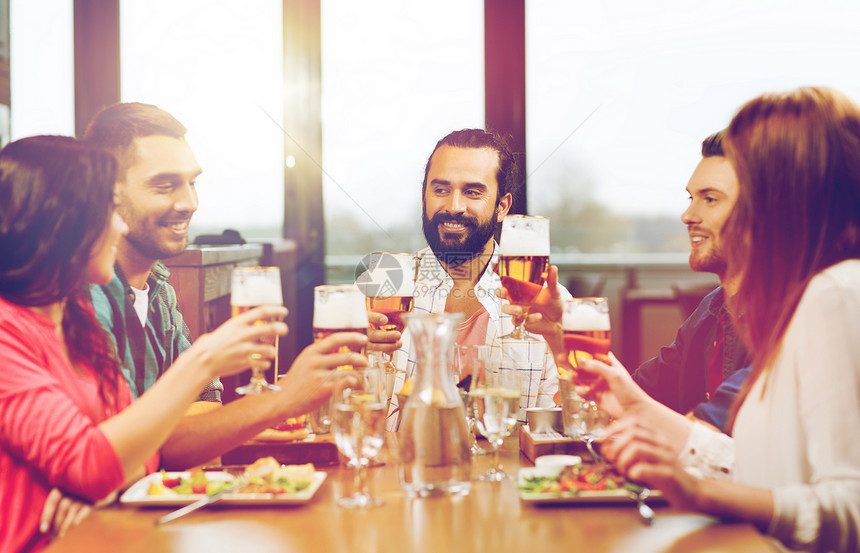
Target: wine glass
587 335
358 423
523 264
583 418
469 360
495 399
388 282
251 287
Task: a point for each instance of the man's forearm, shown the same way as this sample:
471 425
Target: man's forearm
201 437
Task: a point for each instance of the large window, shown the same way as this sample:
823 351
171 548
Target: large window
620 95
216 65
42 68
397 76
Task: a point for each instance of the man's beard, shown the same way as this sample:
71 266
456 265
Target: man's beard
458 250
713 262
152 249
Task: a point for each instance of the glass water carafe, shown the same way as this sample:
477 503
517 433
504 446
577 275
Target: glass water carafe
434 440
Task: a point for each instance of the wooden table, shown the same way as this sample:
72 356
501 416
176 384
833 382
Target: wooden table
491 518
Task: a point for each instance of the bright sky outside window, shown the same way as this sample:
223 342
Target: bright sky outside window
647 83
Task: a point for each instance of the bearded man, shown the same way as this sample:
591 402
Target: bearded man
466 193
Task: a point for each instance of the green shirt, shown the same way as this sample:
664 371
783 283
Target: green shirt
146 351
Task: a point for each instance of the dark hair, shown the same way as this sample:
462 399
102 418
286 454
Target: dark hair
797 156
115 128
508 174
56 200
713 145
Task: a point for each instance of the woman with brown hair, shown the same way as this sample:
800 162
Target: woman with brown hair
65 415
794 235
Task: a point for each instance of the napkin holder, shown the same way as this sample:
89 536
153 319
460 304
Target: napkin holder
549 442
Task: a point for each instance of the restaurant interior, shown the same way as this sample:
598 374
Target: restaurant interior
313 120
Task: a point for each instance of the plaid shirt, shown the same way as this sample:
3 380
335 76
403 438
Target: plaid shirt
539 378
146 351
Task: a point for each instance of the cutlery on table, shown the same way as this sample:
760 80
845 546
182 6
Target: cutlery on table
645 512
240 482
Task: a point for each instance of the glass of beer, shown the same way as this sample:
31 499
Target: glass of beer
337 308
388 284
587 335
523 263
251 287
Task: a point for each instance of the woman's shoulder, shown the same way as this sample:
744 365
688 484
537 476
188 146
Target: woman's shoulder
843 277
14 315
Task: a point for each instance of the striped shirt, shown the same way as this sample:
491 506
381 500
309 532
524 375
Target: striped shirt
533 361
146 351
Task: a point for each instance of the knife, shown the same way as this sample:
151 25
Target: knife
241 482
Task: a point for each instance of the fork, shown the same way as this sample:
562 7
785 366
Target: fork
240 482
646 512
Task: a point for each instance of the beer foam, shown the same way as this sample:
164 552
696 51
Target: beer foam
252 289
389 275
584 316
340 306
525 239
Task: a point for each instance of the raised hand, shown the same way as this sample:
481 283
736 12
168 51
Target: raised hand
387 341
245 341
613 388
544 315
309 380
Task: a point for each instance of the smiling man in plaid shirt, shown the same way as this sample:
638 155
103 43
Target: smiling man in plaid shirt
467 191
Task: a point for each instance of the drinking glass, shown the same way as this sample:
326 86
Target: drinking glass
337 308
583 418
494 398
388 282
251 287
587 335
358 423
523 264
469 360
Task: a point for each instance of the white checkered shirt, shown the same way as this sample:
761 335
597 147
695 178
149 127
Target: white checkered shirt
539 378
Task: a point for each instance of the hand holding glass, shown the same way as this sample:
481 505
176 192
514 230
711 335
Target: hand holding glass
523 263
388 284
337 308
587 335
251 287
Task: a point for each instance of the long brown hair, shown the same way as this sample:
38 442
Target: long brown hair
797 157
56 199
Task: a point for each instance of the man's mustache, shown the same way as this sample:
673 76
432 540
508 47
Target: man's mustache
458 218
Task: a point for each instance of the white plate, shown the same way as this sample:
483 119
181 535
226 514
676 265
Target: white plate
588 497
137 493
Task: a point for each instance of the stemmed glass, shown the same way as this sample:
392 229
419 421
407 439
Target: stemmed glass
251 287
523 264
358 423
494 398
587 335
388 282
469 360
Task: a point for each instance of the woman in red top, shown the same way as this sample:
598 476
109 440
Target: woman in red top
65 414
